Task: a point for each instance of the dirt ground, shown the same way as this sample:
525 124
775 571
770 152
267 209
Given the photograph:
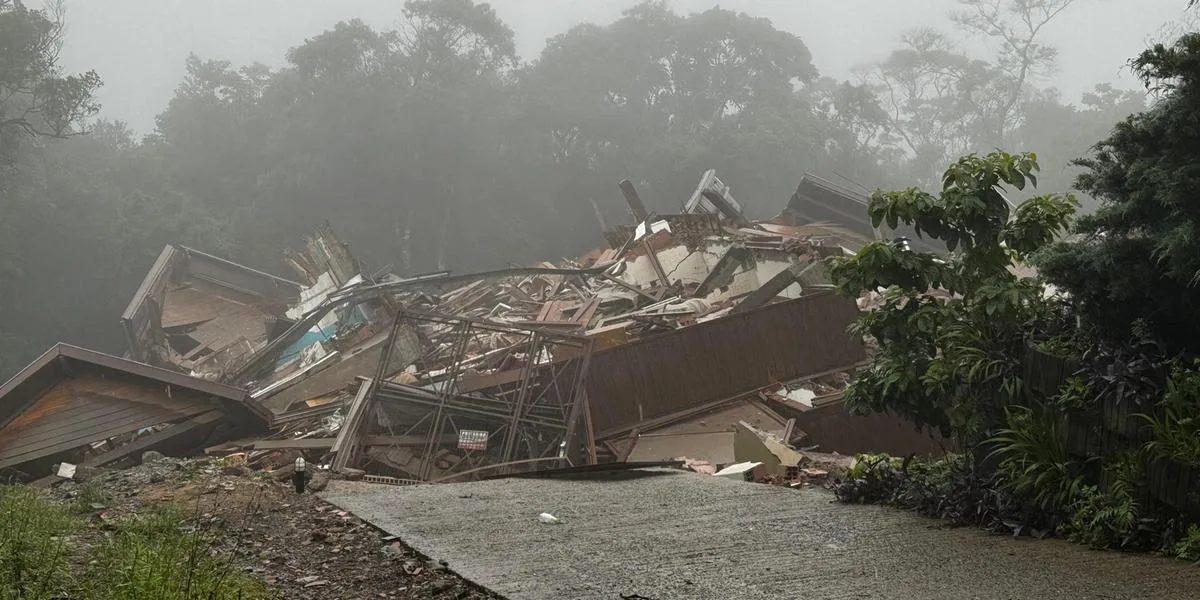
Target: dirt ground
665 535
301 546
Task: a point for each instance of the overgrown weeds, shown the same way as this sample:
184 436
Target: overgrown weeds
33 549
1175 432
91 494
1188 547
1034 464
163 556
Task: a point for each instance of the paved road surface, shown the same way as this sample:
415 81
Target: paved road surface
667 535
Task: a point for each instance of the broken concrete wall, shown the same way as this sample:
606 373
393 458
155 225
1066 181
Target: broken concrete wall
680 264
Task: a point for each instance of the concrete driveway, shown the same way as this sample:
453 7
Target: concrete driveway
669 534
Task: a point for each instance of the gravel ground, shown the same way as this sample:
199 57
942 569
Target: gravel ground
303 548
664 535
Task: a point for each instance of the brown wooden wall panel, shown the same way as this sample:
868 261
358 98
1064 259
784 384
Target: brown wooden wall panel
833 429
91 408
87 420
722 358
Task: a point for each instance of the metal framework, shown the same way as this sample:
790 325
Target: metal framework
524 387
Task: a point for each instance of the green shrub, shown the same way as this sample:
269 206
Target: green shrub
1188 548
948 488
33 552
872 479
1074 396
1034 465
1114 518
1175 432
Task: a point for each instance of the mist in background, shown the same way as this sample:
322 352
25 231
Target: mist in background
450 134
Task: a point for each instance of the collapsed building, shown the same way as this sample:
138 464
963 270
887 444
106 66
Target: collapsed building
684 329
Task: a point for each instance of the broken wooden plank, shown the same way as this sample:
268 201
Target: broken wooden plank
585 314
347 440
149 441
722 273
636 206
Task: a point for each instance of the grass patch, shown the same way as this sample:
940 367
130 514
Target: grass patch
90 493
161 556
33 550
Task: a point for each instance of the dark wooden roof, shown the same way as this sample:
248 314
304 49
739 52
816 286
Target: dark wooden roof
64 361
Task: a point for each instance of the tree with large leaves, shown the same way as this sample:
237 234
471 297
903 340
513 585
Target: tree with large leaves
951 331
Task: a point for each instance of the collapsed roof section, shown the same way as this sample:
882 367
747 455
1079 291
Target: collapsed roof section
98 409
684 321
820 201
197 312
541 366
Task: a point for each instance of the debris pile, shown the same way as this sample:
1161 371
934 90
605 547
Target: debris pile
658 346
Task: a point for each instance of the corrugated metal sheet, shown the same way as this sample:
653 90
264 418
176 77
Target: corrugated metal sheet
819 200
722 358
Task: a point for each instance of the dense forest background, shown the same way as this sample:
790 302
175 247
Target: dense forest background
432 146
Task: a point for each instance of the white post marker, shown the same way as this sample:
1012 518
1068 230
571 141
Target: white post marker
298 476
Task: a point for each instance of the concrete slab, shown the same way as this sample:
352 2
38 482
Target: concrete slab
667 535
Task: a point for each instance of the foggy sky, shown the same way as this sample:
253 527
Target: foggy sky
138 46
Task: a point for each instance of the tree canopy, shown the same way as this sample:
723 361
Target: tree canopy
1133 267
430 145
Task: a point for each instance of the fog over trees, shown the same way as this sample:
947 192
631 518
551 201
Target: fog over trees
428 144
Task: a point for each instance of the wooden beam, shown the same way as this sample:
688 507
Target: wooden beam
149 441
371 440
298 444
347 442
658 268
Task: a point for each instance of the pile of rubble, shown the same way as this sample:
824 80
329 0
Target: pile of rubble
664 344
